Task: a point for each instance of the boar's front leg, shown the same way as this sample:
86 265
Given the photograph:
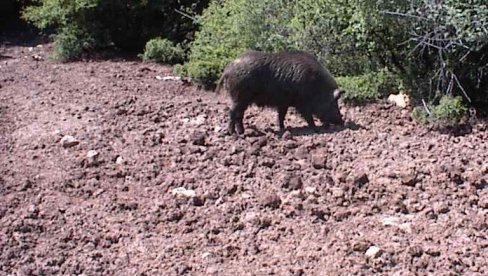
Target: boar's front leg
308 116
236 114
281 117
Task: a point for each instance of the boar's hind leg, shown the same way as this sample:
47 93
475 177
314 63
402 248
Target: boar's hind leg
236 116
281 117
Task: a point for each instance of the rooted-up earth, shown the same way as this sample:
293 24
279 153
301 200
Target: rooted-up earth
109 168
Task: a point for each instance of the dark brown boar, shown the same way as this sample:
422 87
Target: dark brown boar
281 80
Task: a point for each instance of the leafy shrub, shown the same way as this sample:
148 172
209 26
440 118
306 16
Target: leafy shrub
449 111
163 50
121 24
447 46
337 32
368 87
227 29
436 47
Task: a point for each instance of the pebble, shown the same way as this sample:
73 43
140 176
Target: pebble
293 183
319 161
310 190
440 207
91 154
69 141
183 192
271 200
373 252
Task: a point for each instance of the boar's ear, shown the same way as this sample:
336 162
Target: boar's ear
338 92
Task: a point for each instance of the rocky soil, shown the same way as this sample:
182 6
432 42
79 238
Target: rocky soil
108 168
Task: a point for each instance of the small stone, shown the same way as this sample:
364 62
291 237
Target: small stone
390 221
373 252
293 183
267 162
338 193
360 246
92 154
484 168
342 215
319 161
433 251
359 178
182 192
408 178
198 138
271 200
405 227
69 141
415 251
295 194
310 190
119 160
440 207
197 201
206 255
57 132
483 202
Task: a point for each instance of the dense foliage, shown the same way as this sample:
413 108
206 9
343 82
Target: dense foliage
449 111
434 47
163 50
125 24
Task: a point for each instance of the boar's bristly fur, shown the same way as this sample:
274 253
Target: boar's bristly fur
281 80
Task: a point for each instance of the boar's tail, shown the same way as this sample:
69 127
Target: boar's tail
220 82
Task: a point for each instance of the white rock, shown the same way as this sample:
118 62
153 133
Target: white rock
120 161
246 195
183 192
406 227
168 78
92 154
57 132
206 255
217 129
391 221
171 78
69 141
400 100
373 252
338 193
310 190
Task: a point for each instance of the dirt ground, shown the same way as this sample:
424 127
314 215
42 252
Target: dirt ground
151 185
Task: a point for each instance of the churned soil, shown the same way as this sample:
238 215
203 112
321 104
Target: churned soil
109 168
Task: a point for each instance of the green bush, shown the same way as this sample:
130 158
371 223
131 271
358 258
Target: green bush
449 111
227 29
368 87
339 33
447 49
436 47
117 24
163 50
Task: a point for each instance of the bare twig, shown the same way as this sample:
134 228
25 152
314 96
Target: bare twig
186 15
426 108
462 88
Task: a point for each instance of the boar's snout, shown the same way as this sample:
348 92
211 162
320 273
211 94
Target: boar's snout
332 114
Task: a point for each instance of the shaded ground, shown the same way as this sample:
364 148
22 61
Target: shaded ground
382 196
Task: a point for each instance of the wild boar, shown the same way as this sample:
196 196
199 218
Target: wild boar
281 80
